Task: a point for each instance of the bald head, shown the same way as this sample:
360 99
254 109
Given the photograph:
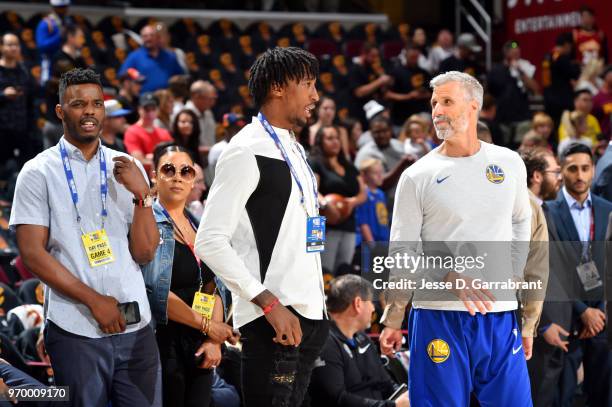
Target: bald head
203 95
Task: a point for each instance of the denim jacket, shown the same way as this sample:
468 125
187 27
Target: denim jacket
158 273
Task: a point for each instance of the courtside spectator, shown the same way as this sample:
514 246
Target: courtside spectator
232 124
602 103
372 216
195 204
142 137
109 229
483 133
186 132
389 151
587 215
179 86
349 372
166 105
203 99
488 115
442 49
583 105
543 126
414 136
131 83
165 43
49 35
114 125
564 71
464 58
16 104
367 80
549 346
409 94
602 185
591 42
510 83
336 175
69 56
189 340
157 65
326 116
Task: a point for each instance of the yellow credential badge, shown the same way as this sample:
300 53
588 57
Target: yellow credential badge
97 248
204 304
438 350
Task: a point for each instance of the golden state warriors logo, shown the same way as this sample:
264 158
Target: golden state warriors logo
495 174
438 350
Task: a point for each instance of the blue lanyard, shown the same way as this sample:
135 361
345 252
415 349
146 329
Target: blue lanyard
178 231
72 185
281 148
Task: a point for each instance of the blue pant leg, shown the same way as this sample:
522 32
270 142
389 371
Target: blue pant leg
439 372
500 370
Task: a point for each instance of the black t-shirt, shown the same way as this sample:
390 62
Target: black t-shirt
332 183
406 80
360 75
132 117
468 66
512 101
117 145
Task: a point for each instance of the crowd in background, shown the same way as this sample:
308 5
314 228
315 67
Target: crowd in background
187 84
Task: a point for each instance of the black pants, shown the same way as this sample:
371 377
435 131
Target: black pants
545 368
274 375
183 383
596 357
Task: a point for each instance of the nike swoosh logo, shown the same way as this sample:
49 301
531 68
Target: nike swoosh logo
441 180
362 350
516 350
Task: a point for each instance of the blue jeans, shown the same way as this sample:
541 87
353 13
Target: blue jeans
123 369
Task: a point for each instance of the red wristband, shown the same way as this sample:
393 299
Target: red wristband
268 308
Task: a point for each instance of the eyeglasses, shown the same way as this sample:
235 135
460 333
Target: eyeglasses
186 172
555 172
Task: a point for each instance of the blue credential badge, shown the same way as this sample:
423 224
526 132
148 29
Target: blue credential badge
315 234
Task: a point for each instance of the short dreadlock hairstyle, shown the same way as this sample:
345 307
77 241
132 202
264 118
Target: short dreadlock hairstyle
276 67
77 76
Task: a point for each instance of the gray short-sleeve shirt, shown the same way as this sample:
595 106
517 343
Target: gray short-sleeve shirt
42 197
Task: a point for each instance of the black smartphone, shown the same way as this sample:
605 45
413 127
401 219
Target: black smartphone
130 312
400 390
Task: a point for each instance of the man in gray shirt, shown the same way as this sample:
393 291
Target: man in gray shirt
83 231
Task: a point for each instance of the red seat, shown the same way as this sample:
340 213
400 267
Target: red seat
321 47
353 48
391 49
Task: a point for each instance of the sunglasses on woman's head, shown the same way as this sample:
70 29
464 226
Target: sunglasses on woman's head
186 172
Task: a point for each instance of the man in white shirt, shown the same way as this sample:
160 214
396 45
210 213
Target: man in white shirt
465 193
257 233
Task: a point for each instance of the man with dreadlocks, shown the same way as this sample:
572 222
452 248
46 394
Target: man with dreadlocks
261 233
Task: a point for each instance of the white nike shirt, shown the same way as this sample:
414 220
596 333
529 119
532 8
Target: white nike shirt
481 198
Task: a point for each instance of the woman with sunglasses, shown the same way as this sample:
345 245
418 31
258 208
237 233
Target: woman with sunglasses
187 312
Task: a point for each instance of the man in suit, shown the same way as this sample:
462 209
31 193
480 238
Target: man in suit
544 181
580 219
603 175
